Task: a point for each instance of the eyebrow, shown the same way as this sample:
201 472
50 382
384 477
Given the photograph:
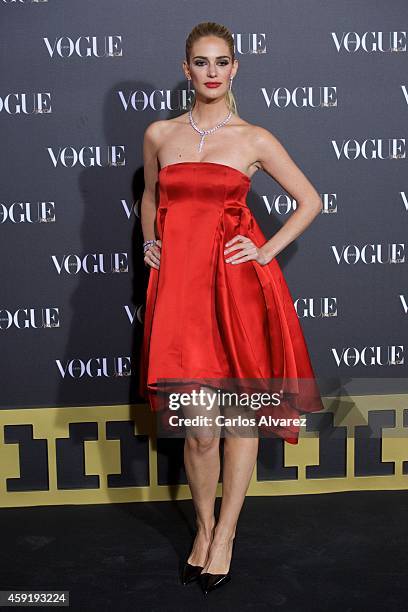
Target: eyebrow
204 57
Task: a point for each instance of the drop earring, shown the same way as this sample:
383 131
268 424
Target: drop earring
230 85
188 102
187 96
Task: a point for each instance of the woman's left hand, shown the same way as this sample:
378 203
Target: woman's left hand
247 251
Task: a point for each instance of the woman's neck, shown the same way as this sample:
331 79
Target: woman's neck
207 115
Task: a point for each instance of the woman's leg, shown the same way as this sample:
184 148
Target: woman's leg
202 465
240 454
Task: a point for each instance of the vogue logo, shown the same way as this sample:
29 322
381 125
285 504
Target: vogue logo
249 43
310 308
24 1
26 104
85 46
283 204
373 148
111 155
26 212
136 314
157 99
370 253
33 318
370 42
369 356
301 97
95 367
404 199
92 263
404 303
131 208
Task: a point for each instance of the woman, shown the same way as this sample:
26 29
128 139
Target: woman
220 287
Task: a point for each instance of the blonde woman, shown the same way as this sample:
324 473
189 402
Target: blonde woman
217 303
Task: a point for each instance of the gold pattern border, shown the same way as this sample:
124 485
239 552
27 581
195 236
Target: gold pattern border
102 457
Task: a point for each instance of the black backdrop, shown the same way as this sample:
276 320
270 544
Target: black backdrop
80 82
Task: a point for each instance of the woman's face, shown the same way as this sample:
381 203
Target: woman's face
210 64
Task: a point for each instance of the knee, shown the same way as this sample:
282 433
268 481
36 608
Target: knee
202 445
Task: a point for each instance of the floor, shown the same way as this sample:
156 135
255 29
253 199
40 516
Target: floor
329 552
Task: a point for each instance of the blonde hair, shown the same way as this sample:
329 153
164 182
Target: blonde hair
210 28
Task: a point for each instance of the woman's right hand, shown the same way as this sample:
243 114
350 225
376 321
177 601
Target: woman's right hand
152 255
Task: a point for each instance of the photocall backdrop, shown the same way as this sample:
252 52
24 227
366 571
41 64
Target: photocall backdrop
80 82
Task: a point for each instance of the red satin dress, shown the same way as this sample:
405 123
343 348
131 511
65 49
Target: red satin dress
208 319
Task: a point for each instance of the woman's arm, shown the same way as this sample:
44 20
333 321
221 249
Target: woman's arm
276 161
148 207
148 204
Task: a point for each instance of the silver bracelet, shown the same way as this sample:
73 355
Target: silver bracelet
147 244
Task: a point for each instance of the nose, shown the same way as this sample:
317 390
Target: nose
211 70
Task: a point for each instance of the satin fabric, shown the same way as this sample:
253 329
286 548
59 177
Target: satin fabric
208 319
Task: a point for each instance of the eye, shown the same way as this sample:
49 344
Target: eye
202 62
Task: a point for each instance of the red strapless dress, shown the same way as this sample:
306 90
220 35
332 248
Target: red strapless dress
208 319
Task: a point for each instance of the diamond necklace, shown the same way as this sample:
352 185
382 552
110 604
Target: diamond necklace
205 132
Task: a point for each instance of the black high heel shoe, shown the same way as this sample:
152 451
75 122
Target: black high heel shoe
209 581
190 572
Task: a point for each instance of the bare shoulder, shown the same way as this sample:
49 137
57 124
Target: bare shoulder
265 145
273 158
261 136
260 142
257 133
157 131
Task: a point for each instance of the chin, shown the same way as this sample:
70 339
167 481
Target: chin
213 93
